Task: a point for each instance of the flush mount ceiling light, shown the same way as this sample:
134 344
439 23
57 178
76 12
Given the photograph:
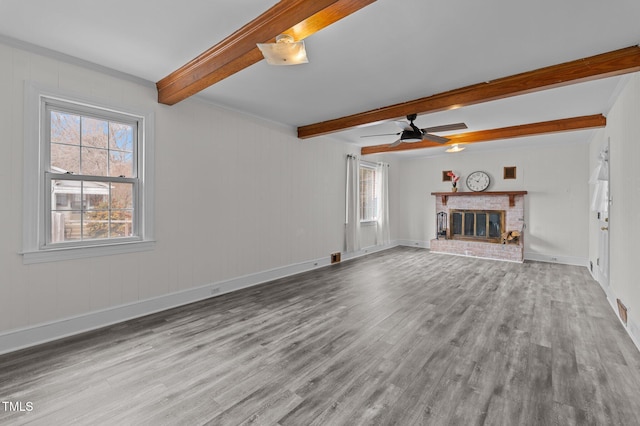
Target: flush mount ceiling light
285 51
455 148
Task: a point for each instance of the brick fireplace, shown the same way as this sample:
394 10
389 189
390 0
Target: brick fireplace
476 221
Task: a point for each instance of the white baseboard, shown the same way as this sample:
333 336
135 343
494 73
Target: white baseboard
553 258
367 250
634 332
34 335
631 327
414 243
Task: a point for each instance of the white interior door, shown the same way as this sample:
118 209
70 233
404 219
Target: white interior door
603 249
604 223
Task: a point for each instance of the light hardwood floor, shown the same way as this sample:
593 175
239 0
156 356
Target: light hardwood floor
401 337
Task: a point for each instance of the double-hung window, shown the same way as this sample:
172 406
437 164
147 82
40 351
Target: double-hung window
92 174
368 195
92 194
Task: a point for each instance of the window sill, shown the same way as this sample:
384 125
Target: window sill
369 223
70 253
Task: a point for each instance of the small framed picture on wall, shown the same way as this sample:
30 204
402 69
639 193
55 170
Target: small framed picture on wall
509 172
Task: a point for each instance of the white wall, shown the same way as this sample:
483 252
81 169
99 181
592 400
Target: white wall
623 132
227 206
556 206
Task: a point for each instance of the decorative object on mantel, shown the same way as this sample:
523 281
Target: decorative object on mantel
454 181
478 181
446 177
511 237
509 172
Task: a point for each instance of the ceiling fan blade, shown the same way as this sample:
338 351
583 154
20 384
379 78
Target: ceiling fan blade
384 134
434 138
445 128
396 143
403 125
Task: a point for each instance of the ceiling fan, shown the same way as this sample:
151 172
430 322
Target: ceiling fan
411 133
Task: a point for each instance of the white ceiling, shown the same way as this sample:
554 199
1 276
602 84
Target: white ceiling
389 52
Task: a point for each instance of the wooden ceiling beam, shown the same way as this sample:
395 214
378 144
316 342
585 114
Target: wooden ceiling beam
554 126
609 64
298 18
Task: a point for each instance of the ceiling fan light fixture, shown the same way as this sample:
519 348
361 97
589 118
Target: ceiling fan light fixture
285 51
410 136
455 148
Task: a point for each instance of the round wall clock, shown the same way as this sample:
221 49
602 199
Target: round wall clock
478 181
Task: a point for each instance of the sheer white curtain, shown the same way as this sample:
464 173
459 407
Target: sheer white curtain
383 234
352 221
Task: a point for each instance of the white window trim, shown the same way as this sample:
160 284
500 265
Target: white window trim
33 250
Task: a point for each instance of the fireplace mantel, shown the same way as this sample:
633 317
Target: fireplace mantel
444 196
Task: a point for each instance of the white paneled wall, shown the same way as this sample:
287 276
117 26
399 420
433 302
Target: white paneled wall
623 132
234 196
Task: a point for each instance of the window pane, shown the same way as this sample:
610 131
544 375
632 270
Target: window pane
121 196
65 226
65 195
120 163
121 223
65 158
95 195
65 128
95 224
368 202
94 162
481 224
61 201
120 137
494 225
95 133
468 224
456 223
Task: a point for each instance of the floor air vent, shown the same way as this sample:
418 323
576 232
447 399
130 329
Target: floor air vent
622 311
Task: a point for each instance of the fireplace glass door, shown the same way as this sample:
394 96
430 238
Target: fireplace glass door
482 225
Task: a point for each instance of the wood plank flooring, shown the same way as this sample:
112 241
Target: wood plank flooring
404 337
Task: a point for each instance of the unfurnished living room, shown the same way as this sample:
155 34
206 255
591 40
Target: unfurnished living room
340 212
